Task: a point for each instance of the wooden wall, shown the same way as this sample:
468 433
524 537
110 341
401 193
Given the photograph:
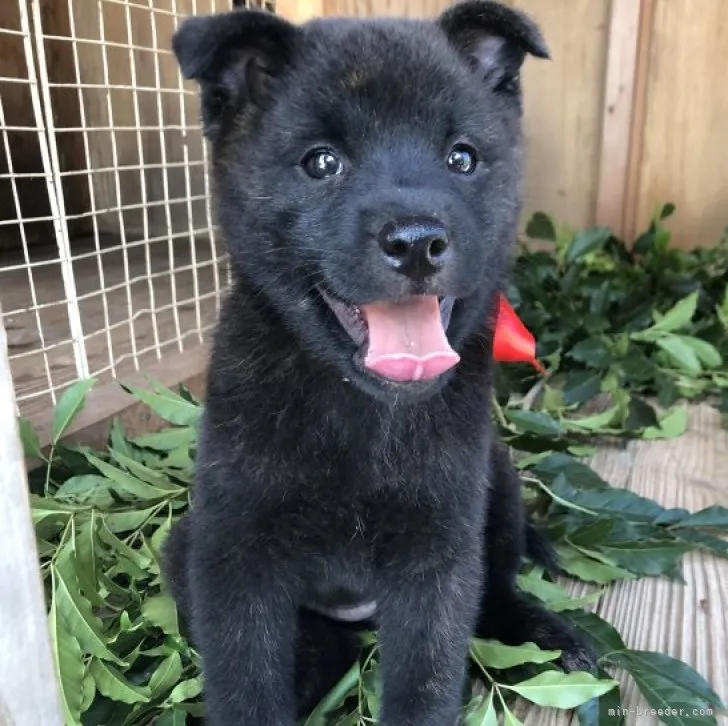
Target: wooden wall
684 139
628 114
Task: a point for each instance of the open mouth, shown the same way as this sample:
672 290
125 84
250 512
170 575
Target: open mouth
403 341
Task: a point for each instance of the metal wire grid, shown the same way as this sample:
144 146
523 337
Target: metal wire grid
108 255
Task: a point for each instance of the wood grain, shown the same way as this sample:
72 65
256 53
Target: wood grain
563 108
685 146
28 694
618 108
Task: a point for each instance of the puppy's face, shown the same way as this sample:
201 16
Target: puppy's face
368 177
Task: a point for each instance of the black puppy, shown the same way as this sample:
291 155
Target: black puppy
367 182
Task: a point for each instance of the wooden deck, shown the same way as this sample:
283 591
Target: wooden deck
689 622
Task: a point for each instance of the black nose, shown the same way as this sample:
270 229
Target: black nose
415 247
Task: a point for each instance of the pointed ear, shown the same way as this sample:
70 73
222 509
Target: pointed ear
234 57
493 39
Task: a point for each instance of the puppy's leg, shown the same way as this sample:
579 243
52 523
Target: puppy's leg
325 650
425 625
508 615
243 622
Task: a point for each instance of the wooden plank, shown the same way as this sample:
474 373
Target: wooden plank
563 108
299 11
28 692
617 115
685 146
368 8
634 164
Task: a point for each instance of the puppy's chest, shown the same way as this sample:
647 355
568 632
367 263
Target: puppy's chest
372 517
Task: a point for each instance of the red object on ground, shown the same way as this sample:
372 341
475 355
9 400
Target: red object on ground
513 342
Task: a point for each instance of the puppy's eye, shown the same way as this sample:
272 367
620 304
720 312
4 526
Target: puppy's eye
461 159
321 164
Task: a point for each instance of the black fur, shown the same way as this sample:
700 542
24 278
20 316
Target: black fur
319 484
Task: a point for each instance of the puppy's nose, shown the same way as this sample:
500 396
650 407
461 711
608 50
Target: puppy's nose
415 247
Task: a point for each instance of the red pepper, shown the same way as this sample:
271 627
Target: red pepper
513 342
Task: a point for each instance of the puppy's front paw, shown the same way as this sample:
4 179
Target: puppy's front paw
578 657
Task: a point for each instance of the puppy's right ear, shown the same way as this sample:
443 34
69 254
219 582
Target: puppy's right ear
235 57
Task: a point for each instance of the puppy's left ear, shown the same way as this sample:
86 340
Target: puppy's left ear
493 39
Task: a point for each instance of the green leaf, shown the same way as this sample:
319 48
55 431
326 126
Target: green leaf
555 689
157 479
666 211
124 552
175 410
606 710
680 353
86 489
492 654
186 690
112 684
609 502
160 610
581 386
29 438
673 424
585 565
166 676
172 717
484 714
666 682
649 558
535 422
707 353
126 484
129 520
78 615
69 406
640 415
603 421
576 472
598 631
88 691
83 559
676 318
167 440
541 226
371 689
713 516
587 241
555 597
334 697
703 541
68 661
509 718
592 351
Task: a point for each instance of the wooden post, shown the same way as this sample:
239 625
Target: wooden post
634 166
619 104
299 11
28 689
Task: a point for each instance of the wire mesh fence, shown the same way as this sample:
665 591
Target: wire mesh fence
108 253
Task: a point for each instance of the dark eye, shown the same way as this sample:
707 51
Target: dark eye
461 159
322 163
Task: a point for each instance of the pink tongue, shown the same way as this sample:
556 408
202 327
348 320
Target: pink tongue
407 341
